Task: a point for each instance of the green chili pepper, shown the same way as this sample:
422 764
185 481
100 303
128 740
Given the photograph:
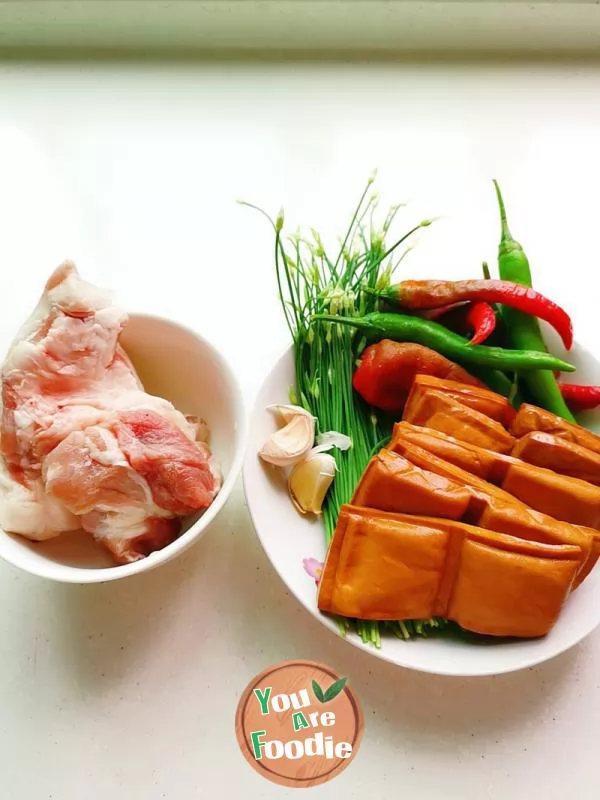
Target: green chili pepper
404 328
524 330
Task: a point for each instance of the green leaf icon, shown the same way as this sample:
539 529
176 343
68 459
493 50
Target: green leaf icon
334 689
318 692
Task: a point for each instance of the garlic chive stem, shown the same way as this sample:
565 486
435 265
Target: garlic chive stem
309 283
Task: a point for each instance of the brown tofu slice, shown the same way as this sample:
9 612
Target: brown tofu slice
380 566
406 484
562 497
531 418
440 412
396 566
503 593
486 464
592 559
560 455
392 483
568 499
478 398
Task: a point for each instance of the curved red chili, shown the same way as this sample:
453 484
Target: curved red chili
418 295
580 398
481 318
436 314
478 318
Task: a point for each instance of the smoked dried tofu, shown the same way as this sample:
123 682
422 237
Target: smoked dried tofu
592 559
487 464
531 418
392 483
564 498
508 587
560 455
417 482
380 566
441 412
525 523
478 398
393 566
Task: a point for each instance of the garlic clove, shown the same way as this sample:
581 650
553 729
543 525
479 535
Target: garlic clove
285 413
310 480
291 443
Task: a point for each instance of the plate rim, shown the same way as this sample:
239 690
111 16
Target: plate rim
250 461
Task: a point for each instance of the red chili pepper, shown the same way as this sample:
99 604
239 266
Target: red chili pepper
387 369
418 295
481 318
580 398
437 313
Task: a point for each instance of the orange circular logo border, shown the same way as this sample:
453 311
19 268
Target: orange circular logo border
263 767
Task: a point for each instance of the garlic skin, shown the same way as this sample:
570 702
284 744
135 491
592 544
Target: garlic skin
310 480
293 441
330 439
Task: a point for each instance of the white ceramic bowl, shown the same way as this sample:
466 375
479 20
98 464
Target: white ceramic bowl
289 538
183 367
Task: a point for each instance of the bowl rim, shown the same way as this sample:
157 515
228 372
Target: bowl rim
250 461
64 573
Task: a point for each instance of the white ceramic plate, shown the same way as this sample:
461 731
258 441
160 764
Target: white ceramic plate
289 538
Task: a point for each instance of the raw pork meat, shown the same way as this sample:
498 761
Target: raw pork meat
83 445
